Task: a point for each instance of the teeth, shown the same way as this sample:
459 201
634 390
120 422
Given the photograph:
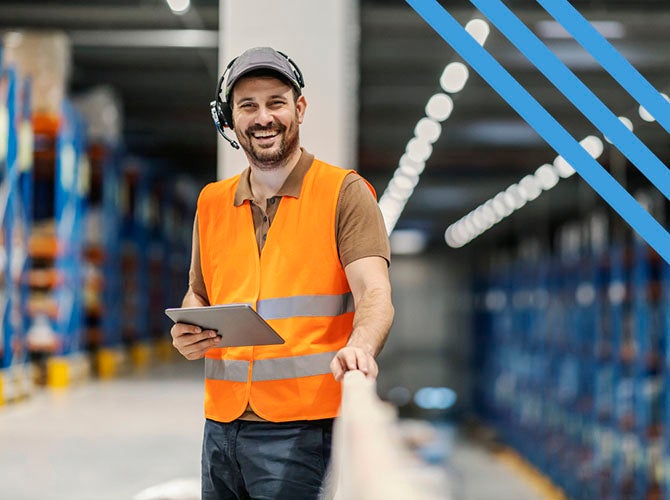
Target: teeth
264 136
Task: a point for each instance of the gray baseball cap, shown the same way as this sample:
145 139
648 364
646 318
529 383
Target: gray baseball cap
263 58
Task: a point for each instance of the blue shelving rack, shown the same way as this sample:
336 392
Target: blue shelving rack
102 249
10 205
573 362
15 198
157 274
55 277
70 199
134 257
111 219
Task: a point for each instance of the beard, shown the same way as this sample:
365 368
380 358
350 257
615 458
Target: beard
276 156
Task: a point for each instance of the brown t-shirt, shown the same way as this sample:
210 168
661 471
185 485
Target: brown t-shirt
359 226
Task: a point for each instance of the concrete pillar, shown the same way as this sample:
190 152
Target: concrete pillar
322 37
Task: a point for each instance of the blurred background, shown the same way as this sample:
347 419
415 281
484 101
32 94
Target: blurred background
530 318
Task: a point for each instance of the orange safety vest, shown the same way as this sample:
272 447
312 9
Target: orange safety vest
297 285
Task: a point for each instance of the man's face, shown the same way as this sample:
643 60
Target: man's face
267 119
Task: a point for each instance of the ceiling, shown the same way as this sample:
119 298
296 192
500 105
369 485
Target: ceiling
484 145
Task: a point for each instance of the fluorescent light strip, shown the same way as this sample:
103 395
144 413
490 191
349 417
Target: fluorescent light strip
461 232
428 129
508 201
179 6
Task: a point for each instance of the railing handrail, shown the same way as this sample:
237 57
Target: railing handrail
369 459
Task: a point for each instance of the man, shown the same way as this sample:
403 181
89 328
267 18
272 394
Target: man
297 238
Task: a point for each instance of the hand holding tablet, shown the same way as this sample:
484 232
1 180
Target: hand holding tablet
237 324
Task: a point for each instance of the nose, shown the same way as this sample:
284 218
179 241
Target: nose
264 117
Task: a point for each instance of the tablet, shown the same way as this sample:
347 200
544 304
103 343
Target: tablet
238 324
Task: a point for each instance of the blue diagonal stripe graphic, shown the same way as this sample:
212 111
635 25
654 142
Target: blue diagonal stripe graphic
608 57
578 93
545 124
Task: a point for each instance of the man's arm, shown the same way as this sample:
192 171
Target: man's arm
190 340
369 282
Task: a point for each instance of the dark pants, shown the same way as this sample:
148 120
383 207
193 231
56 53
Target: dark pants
265 460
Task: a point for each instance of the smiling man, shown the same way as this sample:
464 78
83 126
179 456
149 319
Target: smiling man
307 239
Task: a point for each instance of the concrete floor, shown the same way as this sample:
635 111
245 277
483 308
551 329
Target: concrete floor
138 438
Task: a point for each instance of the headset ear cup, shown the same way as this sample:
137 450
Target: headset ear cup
225 114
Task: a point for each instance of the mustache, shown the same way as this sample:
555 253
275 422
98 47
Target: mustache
273 127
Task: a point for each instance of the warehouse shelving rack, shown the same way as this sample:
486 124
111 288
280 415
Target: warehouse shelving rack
135 202
16 163
103 261
173 236
158 251
573 360
56 247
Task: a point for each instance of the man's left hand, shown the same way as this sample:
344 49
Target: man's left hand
353 358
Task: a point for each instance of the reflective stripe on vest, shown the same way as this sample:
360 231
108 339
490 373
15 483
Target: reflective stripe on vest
305 305
269 369
227 369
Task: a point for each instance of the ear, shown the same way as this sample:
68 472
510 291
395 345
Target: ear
301 106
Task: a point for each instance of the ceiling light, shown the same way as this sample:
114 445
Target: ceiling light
563 168
626 122
510 201
488 213
499 207
479 29
452 239
469 226
594 146
407 171
517 195
404 183
439 107
419 150
546 176
501 203
490 206
530 187
462 232
428 129
454 77
553 29
477 221
406 161
645 115
179 6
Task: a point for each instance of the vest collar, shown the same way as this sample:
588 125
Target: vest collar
291 187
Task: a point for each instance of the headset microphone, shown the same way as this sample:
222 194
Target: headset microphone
215 116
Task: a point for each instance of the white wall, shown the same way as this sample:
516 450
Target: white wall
322 38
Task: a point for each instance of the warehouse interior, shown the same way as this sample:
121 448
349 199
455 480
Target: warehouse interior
528 355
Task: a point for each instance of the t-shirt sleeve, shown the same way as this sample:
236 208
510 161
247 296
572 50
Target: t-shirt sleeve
196 282
360 226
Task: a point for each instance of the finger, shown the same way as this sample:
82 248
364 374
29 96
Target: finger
187 343
373 370
336 368
198 350
362 363
349 359
179 329
193 338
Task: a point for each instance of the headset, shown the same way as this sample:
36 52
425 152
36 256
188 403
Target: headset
222 113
